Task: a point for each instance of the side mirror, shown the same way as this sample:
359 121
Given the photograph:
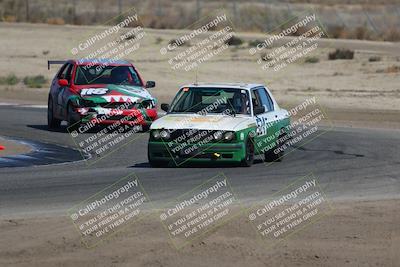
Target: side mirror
259 110
62 82
150 84
165 107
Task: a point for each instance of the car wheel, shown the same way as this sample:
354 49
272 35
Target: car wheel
145 128
72 122
249 156
270 155
51 121
156 163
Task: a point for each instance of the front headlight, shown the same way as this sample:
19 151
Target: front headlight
156 134
217 135
228 136
165 134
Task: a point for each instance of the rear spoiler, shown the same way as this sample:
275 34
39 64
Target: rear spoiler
53 62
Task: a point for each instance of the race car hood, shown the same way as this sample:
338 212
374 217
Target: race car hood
202 122
115 93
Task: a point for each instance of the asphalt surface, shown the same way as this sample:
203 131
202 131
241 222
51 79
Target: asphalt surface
348 163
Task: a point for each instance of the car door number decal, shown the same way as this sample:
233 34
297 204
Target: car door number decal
261 125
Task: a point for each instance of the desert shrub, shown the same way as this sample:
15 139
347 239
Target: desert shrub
392 69
35 81
127 36
392 35
10 18
374 59
159 40
254 43
311 60
10 79
341 54
362 33
264 57
300 31
179 42
338 32
234 41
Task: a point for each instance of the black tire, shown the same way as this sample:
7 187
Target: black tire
156 163
145 128
72 122
270 155
52 122
249 157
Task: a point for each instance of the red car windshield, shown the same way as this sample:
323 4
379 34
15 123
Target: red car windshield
99 74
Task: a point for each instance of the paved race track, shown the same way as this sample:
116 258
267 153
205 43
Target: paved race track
349 163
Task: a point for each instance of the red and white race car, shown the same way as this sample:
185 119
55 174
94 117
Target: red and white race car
101 92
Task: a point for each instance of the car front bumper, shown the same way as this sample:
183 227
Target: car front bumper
215 152
124 117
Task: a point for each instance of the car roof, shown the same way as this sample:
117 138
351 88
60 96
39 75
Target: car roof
84 61
246 86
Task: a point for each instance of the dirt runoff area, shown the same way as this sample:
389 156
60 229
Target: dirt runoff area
357 233
363 91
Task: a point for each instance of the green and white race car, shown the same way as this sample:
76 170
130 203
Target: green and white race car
219 123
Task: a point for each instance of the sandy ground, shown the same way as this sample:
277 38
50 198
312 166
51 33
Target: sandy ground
13 147
362 233
350 90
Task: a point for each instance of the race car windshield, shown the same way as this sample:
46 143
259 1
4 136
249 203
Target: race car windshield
211 100
98 74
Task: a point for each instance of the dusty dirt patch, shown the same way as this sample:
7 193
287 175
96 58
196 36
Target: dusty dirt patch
363 233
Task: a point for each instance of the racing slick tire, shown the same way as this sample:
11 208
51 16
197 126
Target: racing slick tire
52 122
73 124
270 155
249 154
145 128
156 163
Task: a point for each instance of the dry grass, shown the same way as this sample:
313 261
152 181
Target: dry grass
393 69
55 21
37 81
10 79
234 41
9 18
358 86
311 60
374 59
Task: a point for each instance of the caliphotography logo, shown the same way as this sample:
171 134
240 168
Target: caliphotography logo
199 211
205 40
290 210
110 210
